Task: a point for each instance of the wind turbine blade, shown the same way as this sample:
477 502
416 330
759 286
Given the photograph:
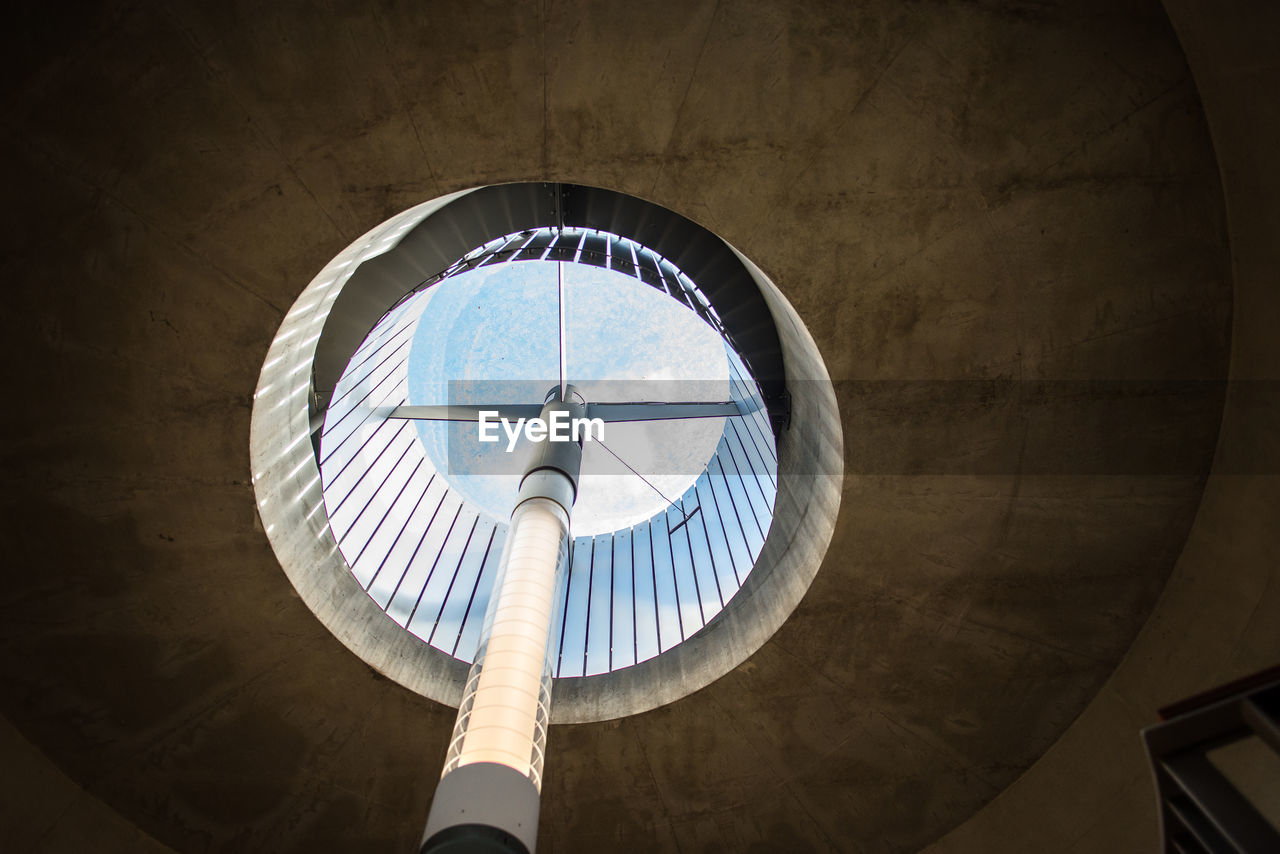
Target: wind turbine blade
616 412
512 412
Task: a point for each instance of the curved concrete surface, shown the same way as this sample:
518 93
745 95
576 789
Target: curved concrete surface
960 200
1217 618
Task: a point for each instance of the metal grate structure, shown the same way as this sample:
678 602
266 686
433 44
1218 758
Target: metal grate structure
594 248
1207 806
428 559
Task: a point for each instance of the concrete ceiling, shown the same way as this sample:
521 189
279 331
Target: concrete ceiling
981 195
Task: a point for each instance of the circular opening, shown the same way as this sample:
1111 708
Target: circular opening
751 525
670 515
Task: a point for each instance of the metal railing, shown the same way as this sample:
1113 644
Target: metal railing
1215 759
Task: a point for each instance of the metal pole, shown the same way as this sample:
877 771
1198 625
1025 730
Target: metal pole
564 380
487 798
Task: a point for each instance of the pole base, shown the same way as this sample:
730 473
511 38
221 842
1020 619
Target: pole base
473 839
483 808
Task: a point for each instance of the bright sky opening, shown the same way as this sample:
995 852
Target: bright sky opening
494 332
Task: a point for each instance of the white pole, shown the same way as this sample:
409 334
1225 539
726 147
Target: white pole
503 717
492 776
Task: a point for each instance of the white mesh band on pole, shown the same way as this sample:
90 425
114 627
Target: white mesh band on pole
504 709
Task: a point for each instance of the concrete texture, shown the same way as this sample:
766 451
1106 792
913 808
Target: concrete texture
1216 619
942 190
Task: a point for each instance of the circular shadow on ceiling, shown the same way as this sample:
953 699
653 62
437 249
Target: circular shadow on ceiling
355 295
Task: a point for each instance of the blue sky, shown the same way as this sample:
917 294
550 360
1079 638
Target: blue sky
494 332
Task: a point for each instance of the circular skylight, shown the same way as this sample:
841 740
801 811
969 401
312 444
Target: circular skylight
395 552
670 515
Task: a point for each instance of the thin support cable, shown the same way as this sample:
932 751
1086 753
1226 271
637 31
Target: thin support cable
564 612
715 500
444 544
462 556
737 513
711 552
409 564
403 528
467 613
733 458
653 571
693 567
385 515
675 576
360 479
635 630
601 443
751 420
564 380
613 598
586 631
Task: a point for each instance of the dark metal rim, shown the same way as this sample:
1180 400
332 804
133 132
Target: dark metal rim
440 242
